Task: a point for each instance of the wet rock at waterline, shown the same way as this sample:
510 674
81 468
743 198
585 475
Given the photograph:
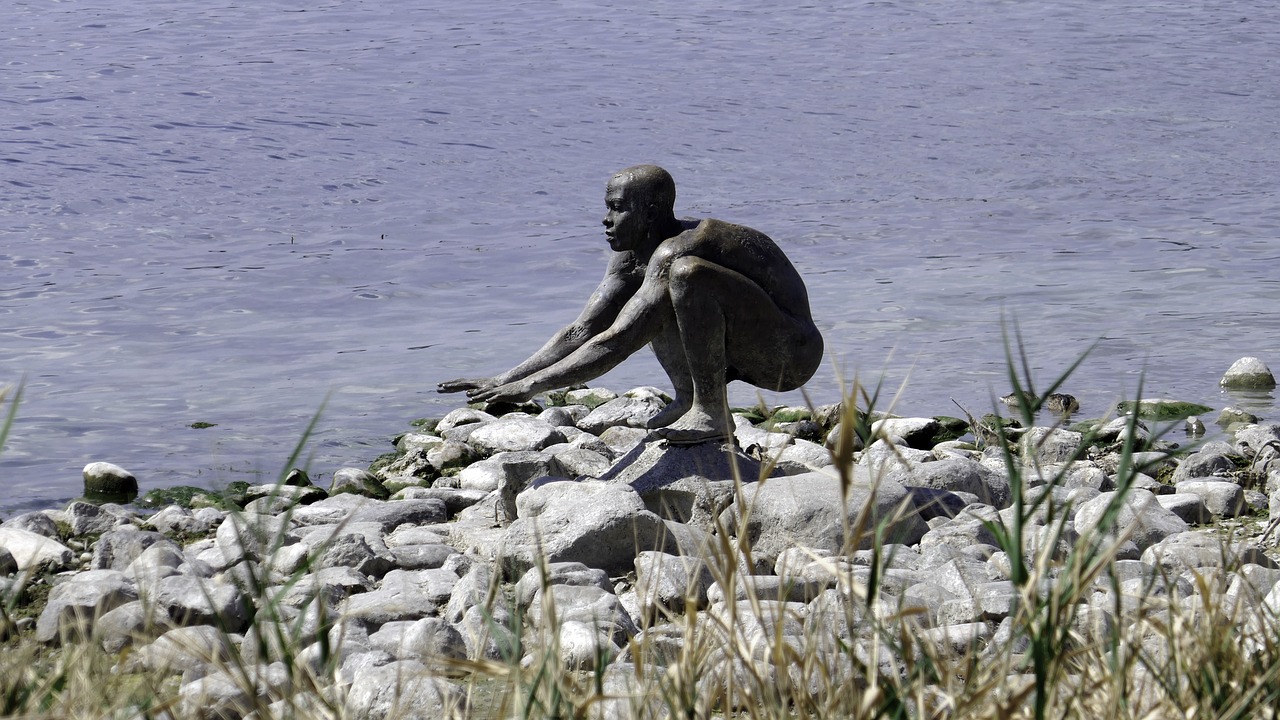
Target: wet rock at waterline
1248 373
112 482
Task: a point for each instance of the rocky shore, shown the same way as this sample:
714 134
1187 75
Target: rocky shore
564 536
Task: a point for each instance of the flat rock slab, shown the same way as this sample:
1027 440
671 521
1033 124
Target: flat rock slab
686 483
652 465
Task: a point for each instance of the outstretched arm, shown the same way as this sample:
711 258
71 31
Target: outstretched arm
600 312
636 324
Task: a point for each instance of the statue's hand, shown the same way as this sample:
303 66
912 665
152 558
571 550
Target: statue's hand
452 386
513 392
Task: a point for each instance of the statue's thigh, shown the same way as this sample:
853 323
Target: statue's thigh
761 341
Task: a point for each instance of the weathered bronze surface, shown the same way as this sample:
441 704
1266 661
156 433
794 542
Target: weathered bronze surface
716 302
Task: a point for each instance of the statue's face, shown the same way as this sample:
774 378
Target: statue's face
626 223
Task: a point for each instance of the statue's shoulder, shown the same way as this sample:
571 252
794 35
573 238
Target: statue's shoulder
713 229
702 228
709 236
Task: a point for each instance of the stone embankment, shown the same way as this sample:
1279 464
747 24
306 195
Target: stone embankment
567 521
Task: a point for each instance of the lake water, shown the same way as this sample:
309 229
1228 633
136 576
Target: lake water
228 213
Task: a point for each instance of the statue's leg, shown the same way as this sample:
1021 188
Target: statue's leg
726 320
670 353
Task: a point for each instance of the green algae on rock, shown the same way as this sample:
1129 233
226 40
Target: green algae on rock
1162 409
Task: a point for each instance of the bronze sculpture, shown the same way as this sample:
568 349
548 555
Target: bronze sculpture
716 302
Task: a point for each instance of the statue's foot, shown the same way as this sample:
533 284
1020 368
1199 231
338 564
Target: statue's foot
693 428
669 414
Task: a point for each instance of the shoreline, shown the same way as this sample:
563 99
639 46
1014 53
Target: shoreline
481 516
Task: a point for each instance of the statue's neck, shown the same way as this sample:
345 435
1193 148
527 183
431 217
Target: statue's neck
659 234
668 228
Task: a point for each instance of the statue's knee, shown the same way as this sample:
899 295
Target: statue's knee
684 268
682 276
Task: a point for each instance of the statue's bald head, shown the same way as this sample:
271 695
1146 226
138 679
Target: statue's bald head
648 185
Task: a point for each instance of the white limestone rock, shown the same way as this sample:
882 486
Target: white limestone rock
188 600
957 475
1050 445
670 583
403 690
587 604
1222 498
74 606
807 510
1144 521
513 433
601 525
31 550
623 411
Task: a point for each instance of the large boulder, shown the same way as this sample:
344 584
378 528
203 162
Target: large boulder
1141 518
105 480
512 469
507 472
1051 445
37 522
1203 464
31 549
88 519
580 462
180 650
1222 498
187 600
957 475
1253 439
404 689
1200 549
394 513
1248 373
251 536
514 433
463 416
530 586
358 481
602 525
811 510
402 595
916 432
115 550
593 606
622 412
425 639
73 607
670 583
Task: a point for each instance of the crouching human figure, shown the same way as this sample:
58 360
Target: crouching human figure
716 302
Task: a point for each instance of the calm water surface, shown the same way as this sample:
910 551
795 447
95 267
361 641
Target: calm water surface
227 214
